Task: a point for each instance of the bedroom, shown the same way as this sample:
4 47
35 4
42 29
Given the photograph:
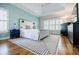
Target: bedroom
35 28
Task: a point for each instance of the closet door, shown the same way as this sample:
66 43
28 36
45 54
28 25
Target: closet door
76 34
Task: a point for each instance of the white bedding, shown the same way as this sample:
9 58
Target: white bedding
33 34
43 34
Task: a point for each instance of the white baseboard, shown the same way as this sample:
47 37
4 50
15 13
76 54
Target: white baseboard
4 38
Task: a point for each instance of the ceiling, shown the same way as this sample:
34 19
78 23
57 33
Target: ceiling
45 9
33 8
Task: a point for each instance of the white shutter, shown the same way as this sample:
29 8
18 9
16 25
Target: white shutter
3 21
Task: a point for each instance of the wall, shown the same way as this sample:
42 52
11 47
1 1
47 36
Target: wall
14 15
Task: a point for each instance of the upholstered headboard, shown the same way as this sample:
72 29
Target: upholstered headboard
26 24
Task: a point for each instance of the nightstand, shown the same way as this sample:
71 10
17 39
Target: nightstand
15 33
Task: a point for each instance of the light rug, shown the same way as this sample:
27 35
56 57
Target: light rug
47 46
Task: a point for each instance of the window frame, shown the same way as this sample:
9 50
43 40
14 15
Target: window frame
55 24
5 20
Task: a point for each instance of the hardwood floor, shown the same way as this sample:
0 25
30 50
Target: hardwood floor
8 48
64 48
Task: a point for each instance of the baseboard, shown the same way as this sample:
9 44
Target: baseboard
4 38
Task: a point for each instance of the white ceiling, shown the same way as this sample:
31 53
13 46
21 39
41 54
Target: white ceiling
34 8
44 9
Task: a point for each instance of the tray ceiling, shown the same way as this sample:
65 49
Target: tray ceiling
44 9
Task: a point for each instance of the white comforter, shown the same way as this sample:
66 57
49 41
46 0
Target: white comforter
33 34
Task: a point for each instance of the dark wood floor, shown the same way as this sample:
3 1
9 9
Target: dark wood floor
64 48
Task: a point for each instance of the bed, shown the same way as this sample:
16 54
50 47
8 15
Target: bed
28 30
34 34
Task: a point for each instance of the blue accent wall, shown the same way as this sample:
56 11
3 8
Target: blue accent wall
15 14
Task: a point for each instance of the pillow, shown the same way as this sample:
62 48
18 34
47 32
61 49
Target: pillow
28 27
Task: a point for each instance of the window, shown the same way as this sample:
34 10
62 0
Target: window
52 24
46 24
3 21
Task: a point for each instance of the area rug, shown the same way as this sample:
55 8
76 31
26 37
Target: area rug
47 46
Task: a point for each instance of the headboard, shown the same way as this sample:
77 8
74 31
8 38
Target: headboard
26 24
